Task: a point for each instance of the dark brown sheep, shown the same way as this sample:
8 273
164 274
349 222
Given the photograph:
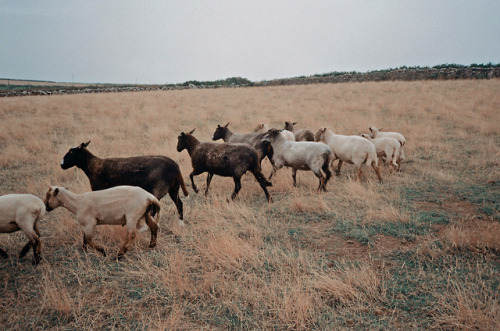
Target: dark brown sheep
301 134
227 160
158 175
253 139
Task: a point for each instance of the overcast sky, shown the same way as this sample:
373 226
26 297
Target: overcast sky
121 41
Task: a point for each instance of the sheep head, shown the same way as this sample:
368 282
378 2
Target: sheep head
320 135
75 156
51 200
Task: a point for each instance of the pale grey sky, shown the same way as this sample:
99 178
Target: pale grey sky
124 41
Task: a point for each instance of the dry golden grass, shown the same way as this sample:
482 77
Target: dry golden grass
420 250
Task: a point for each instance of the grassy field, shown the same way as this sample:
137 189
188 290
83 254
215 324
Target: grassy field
419 251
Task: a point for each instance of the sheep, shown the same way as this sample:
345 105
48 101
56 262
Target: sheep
300 135
253 139
386 147
376 133
263 128
22 212
158 175
120 205
227 160
350 149
300 155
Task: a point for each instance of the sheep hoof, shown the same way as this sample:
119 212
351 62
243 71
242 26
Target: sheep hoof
4 255
37 259
152 245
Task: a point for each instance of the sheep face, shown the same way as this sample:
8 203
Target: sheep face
220 132
181 142
289 126
51 201
320 135
271 135
374 131
74 156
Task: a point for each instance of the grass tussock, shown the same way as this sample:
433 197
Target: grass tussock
418 251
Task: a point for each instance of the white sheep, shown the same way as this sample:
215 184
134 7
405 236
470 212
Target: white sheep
300 155
386 147
376 133
120 205
350 149
22 212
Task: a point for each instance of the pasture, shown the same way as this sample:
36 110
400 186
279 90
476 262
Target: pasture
420 250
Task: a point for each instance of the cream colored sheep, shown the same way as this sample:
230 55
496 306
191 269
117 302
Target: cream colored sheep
377 133
22 212
350 149
120 205
300 155
386 147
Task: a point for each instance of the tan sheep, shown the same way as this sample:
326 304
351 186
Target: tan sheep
387 147
120 205
22 212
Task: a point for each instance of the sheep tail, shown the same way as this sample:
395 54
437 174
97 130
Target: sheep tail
182 184
154 209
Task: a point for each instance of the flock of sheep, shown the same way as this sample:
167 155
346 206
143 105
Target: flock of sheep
126 191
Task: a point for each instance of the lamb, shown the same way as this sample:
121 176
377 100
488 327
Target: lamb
376 133
350 149
300 135
300 155
120 205
158 175
22 212
253 139
227 160
386 147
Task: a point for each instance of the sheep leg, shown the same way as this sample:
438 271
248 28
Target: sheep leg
321 178
237 187
34 241
191 176
377 171
263 183
128 240
174 195
337 172
272 173
326 170
209 180
294 176
153 228
3 254
359 173
88 234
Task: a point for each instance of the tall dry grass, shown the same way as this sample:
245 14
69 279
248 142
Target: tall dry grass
309 260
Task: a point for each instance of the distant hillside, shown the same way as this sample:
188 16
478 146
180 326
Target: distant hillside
9 87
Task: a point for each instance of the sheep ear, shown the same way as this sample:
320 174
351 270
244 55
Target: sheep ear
226 125
56 191
294 123
86 144
191 132
381 129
